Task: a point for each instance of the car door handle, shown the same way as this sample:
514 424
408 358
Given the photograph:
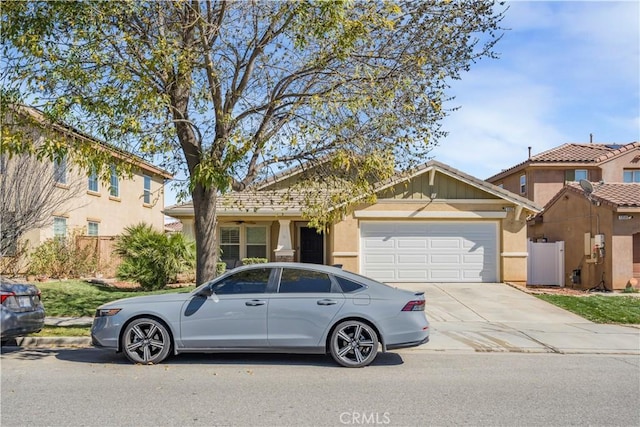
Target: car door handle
255 303
327 302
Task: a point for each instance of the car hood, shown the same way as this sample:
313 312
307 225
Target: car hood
149 299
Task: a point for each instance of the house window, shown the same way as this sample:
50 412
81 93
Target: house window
92 228
147 190
523 184
244 241
59 227
93 181
631 175
230 243
575 175
114 188
256 242
60 170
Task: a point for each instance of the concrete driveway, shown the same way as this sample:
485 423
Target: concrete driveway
494 317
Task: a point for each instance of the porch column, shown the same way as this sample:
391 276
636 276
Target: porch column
284 251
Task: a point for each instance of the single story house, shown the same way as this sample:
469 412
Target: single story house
435 224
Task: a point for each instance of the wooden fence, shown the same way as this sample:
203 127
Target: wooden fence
102 247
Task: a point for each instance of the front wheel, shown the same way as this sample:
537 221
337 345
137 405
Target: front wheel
354 344
146 341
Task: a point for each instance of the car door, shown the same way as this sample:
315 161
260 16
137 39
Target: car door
234 316
302 309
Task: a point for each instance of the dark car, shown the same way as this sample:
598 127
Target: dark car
21 311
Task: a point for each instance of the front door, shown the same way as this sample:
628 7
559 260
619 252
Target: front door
311 246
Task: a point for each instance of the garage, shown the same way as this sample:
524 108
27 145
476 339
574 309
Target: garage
430 251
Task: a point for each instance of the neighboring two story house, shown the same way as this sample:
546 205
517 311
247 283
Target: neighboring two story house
542 176
89 205
591 199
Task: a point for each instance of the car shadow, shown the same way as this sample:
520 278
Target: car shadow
102 356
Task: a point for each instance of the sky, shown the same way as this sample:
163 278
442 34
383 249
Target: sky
567 69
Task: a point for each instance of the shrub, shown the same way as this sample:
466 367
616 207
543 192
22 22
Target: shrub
62 258
249 261
151 258
221 267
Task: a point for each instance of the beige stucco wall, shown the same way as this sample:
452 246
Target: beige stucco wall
569 218
612 170
112 214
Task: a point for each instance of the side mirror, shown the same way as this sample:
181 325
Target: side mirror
205 292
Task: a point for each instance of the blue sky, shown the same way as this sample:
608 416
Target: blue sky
566 69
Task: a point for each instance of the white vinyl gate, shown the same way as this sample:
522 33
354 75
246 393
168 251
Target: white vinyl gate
545 263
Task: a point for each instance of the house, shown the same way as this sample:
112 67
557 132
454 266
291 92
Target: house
435 224
83 202
601 230
611 175
543 175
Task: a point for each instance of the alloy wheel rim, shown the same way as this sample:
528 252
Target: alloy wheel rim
354 344
145 341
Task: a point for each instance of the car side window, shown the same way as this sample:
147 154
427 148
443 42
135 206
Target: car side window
349 286
253 281
305 281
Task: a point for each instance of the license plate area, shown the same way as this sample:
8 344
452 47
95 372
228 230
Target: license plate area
25 302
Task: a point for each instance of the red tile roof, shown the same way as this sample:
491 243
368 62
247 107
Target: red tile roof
616 194
573 153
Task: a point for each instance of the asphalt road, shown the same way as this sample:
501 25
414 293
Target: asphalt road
91 387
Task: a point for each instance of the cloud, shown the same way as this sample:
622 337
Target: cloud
567 69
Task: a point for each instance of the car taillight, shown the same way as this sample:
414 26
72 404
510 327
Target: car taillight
415 305
5 295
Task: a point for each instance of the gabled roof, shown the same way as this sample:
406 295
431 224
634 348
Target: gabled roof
39 118
288 202
293 171
616 194
577 154
463 177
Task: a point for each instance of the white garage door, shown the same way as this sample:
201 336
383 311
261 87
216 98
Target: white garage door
429 251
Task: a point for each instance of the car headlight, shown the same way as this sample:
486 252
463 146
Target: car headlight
106 312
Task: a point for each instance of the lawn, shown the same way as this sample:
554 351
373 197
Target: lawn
76 298
598 308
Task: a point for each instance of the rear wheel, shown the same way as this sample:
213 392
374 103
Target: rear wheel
146 341
354 344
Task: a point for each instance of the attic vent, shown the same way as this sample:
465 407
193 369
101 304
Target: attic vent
614 146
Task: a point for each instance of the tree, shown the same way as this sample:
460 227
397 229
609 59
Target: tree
29 197
229 92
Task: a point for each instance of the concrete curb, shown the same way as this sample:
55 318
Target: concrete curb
45 342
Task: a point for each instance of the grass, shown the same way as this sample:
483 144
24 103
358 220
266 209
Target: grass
76 298
599 309
64 331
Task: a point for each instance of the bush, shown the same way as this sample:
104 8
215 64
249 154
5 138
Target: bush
249 261
151 258
221 267
62 258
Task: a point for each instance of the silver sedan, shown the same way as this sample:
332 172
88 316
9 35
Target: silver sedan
276 308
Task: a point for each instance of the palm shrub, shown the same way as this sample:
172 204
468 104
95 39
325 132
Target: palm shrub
151 258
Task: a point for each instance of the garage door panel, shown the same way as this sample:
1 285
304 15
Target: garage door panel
405 243
445 259
380 259
412 259
430 251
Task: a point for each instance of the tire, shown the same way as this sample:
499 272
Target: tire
146 341
354 344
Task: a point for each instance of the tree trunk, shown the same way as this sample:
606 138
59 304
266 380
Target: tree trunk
206 220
